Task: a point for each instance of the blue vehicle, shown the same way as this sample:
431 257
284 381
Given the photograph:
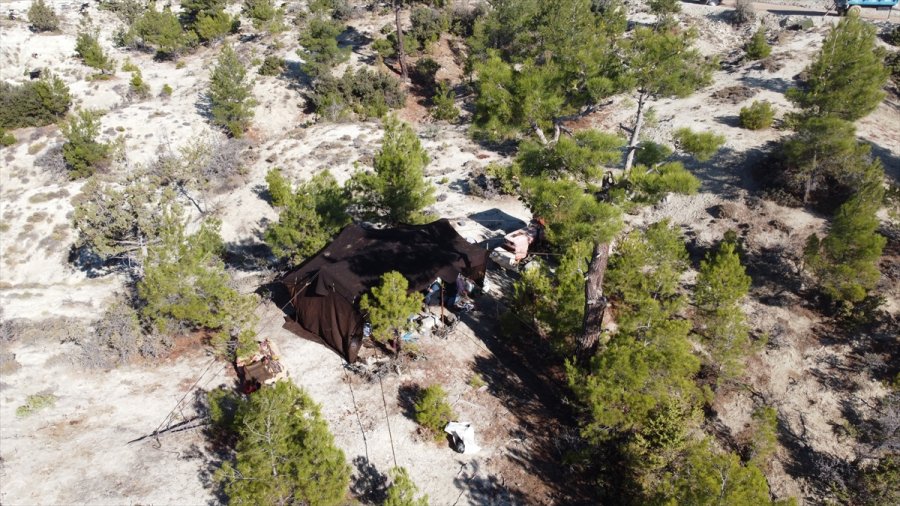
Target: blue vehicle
855 6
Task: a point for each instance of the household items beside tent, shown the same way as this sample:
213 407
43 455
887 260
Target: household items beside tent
325 290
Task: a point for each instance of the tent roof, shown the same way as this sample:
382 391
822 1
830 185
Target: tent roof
355 260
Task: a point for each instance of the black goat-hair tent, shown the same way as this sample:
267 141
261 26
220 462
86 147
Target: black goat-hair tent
325 290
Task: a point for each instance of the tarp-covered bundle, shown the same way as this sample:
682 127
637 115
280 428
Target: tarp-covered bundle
325 290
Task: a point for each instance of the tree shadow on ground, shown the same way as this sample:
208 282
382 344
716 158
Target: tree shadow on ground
407 396
890 159
731 120
486 489
298 79
368 484
722 174
776 84
217 449
494 219
203 106
524 376
824 473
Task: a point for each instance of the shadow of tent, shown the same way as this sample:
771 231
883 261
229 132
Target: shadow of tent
496 219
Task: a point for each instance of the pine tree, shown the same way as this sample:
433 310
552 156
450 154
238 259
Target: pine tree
162 31
389 308
708 476
845 263
82 152
88 49
554 300
285 453
432 411
662 63
207 18
230 94
643 277
309 216
185 285
116 222
721 285
540 63
403 491
42 17
649 360
265 15
320 50
34 103
396 192
847 78
823 149
758 47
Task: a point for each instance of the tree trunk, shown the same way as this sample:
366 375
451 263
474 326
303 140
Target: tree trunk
636 132
807 188
540 133
401 54
594 302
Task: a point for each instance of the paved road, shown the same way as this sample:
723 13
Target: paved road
790 10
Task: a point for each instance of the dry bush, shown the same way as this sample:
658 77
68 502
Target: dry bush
58 329
53 162
118 339
743 12
8 364
208 165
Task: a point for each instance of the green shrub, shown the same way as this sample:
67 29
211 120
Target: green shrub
432 410
231 94
162 31
88 49
403 491
444 103
384 48
320 50
166 91
892 63
207 19
364 93
476 381
650 154
35 403
427 25
42 17
265 15
214 26
425 72
700 145
285 453
34 103
758 47
757 116
137 86
272 66
653 184
893 37
128 66
6 138
185 286
126 10
82 153
506 175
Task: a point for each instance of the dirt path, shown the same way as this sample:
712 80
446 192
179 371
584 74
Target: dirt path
791 10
